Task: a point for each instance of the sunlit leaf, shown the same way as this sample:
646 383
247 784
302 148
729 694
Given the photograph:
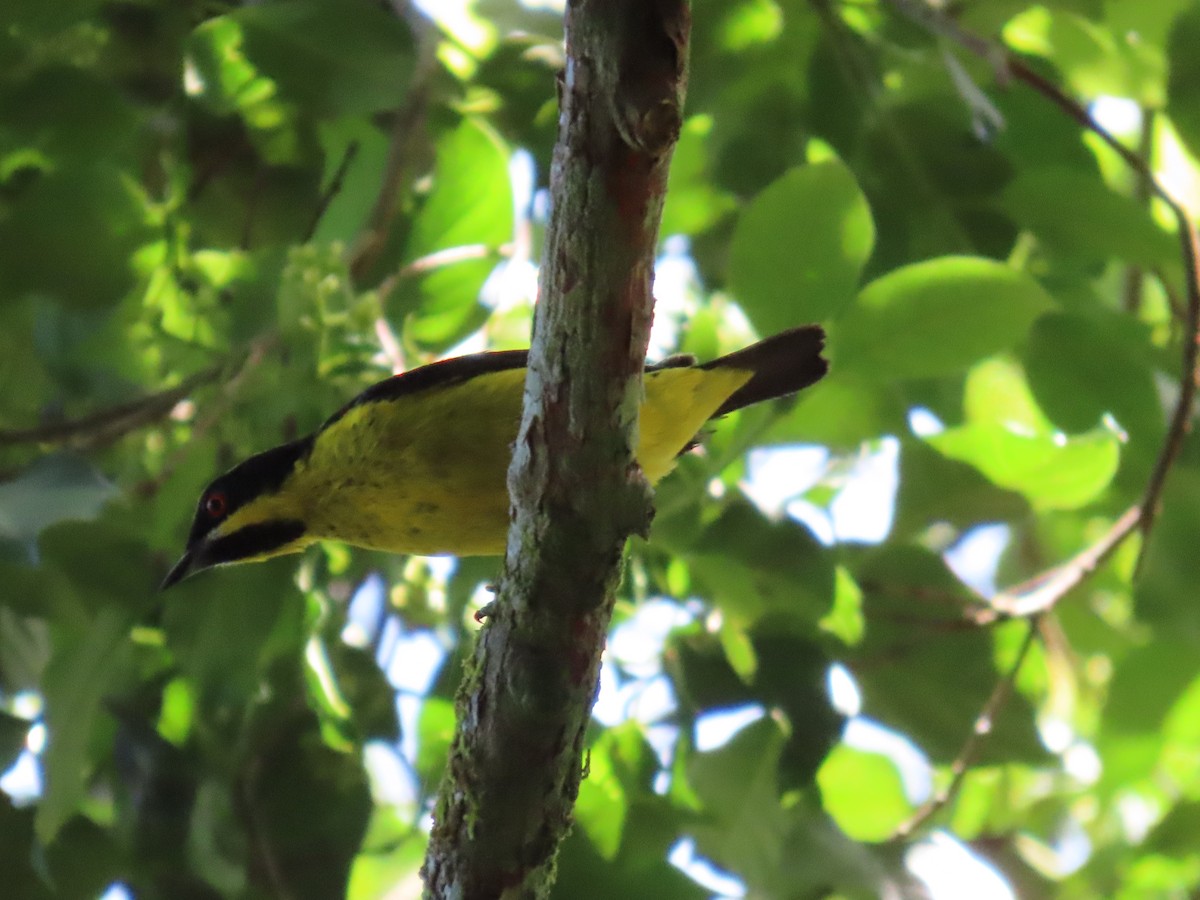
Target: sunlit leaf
83 669
332 59
602 804
1008 438
799 247
1098 222
470 207
936 318
1050 473
863 792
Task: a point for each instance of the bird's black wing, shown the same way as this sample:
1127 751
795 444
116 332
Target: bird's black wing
782 364
435 375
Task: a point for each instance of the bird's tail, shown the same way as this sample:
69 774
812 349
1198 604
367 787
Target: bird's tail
782 364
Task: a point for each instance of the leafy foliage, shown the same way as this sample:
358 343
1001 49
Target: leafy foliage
219 221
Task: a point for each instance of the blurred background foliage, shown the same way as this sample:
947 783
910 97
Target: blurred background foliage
219 221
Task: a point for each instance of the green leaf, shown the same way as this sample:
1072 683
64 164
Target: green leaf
921 678
221 642
935 488
84 667
752 567
52 218
371 698
1049 473
936 318
737 785
54 489
863 792
1183 78
217 840
350 208
1095 59
845 410
70 115
602 804
18 849
1175 834
692 203
1147 683
1009 440
330 58
800 246
435 734
391 854
470 205
1164 591
1097 224
787 848
311 805
1082 369
581 870
790 674
105 564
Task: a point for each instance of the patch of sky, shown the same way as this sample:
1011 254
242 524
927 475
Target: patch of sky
951 871
863 507
683 856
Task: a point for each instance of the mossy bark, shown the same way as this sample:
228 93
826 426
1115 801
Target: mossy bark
577 494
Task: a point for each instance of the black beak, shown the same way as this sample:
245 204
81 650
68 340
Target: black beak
181 570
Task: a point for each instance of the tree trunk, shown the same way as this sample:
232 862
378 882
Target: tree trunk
577 493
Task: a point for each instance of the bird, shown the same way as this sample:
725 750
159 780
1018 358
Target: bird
417 463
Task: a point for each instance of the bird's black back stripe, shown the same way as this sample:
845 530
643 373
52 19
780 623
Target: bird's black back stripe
448 372
435 375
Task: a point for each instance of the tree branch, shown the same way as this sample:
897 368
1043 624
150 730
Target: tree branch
107 425
524 706
984 723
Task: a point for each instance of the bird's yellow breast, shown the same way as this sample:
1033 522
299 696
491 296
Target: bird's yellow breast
426 472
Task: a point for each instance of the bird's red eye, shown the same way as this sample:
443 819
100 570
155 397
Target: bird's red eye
214 504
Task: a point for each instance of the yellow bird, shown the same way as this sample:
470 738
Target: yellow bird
417 463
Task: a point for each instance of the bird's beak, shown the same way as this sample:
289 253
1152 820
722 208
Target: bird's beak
181 570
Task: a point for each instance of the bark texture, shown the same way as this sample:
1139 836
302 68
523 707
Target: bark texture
526 699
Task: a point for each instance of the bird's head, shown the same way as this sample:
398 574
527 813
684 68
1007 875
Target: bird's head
247 514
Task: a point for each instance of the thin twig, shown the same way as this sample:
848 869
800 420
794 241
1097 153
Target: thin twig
1040 593
335 188
214 413
408 128
974 744
390 345
439 259
107 425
